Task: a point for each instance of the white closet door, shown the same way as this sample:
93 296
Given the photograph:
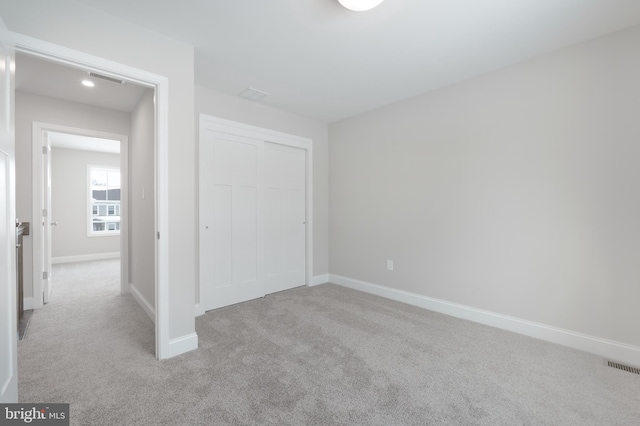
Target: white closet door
231 220
285 200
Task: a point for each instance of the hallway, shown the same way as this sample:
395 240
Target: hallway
88 332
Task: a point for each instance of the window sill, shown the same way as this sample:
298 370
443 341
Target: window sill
104 234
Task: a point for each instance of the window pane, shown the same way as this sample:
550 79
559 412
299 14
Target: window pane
98 179
114 179
99 194
105 192
113 194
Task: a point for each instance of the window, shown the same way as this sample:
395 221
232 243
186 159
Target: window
104 200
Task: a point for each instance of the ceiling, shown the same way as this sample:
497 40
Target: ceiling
45 78
320 60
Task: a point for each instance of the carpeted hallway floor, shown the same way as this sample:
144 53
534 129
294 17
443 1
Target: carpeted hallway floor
324 355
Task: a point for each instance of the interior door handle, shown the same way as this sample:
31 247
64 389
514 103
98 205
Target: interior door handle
54 223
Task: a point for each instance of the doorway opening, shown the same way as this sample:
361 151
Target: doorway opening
71 168
157 86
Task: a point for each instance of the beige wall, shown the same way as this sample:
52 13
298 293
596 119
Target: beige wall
69 198
141 198
30 108
253 113
79 27
515 192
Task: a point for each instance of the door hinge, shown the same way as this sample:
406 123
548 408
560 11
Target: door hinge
44 212
45 275
158 235
45 150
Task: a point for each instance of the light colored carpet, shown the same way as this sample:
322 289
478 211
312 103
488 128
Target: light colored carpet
323 355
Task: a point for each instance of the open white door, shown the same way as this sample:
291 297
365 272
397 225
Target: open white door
8 301
47 223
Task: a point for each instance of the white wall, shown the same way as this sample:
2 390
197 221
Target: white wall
253 113
142 199
30 108
69 203
517 192
79 27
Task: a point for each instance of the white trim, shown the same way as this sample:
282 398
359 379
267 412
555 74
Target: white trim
163 343
143 302
319 279
199 310
85 61
607 348
181 345
253 132
229 127
27 303
85 257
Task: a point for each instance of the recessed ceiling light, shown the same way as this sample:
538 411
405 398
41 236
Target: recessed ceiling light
360 5
88 83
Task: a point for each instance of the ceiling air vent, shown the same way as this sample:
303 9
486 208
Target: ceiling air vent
104 77
252 94
628 368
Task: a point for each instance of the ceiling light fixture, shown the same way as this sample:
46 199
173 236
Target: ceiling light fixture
360 5
88 83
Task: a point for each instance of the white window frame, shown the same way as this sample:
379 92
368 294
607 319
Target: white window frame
106 232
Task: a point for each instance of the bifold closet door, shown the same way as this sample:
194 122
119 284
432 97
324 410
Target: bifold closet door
285 206
231 220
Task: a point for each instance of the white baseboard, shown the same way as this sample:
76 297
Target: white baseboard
319 279
27 303
199 310
85 257
610 349
144 303
182 345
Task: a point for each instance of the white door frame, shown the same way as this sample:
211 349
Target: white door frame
8 299
37 203
85 61
221 125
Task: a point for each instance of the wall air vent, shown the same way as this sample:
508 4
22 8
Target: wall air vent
623 367
252 94
107 78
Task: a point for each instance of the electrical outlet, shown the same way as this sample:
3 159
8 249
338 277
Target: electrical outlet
389 265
